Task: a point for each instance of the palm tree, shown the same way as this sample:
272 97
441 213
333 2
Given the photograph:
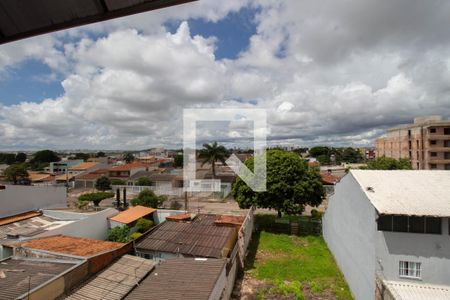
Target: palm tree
211 153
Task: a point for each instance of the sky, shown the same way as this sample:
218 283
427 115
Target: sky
328 73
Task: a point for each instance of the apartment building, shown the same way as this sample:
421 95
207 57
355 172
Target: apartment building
426 143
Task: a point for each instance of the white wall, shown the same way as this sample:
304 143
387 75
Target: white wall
349 230
95 226
17 199
432 250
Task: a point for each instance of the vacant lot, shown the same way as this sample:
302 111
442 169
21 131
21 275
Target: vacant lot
280 266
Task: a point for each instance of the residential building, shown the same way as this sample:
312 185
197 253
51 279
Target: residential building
199 237
85 167
130 216
41 178
59 167
184 278
125 171
389 230
88 180
426 143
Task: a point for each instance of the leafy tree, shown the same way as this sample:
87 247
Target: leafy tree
117 181
103 183
21 157
95 197
387 163
148 198
82 156
100 154
7 158
178 161
128 157
135 235
45 156
144 181
119 234
142 225
212 153
16 173
351 155
291 185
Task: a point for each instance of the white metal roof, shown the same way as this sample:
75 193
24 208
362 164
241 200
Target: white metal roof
417 291
407 192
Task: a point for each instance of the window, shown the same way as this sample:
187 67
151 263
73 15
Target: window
432 130
385 223
433 154
433 225
409 144
433 166
446 143
417 224
400 223
409 132
433 142
410 269
447 131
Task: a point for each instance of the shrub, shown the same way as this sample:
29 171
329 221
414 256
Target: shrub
144 181
117 181
95 197
135 235
315 214
82 204
119 234
148 198
143 225
103 183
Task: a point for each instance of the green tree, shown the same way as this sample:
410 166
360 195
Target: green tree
387 163
351 155
212 153
128 157
144 181
117 181
148 198
142 225
16 173
178 161
21 157
291 185
100 154
45 156
7 158
103 183
120 234
95 197
82 156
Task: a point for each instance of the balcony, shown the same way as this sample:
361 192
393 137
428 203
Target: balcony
437 160
439 137
438 149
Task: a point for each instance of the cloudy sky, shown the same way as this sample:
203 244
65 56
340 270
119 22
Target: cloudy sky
329 72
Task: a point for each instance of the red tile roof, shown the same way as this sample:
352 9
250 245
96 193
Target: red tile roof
93 175
19 217
329 179
71 245
128 167
83 166
229 220
180 217
133 214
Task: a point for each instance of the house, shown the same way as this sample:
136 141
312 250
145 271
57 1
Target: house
40 178
329 181
389 230
115 281
184 278
199 237
60 167
130 216
84 167
125 171
88 180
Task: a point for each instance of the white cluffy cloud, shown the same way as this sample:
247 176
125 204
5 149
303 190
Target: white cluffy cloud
327 74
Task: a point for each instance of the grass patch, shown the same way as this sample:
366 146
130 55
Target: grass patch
295 265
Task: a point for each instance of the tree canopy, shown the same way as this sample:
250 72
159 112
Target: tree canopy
212 153
387 163
11 158
178 161
323 154
128 157
148 198
144 181
21 157
45 156
103 183
119 234
17 173
291 185
95 197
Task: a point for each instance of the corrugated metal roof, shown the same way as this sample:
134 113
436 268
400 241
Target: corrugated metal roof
407 192
21 272
201 238
19 217
416 291
133 214
180 278
116 281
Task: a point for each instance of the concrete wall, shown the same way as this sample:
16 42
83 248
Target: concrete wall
219 287
17 199
162 214
432 250
349 230
94 226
